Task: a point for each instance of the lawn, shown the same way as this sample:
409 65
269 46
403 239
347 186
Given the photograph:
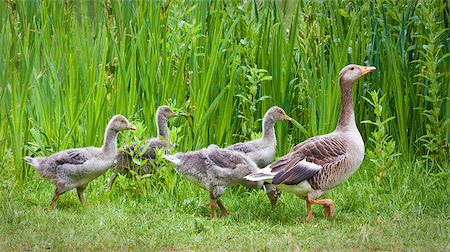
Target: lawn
369 216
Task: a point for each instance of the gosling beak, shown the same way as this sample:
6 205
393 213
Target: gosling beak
182 114
131 127
366 69
287 118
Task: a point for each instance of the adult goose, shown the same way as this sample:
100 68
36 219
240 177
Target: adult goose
262 150
214 169
75 168
124 160
322 162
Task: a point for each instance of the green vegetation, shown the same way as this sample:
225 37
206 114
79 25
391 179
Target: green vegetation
68 66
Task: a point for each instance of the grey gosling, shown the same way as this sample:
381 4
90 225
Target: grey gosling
124 160
75 168
322 162
262 150
214 169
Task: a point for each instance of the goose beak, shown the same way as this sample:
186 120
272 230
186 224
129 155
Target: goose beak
287 118
366 69
182 114
131 127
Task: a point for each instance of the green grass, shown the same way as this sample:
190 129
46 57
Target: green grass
386 215
68 66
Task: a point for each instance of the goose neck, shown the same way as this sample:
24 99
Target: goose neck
109 144
162 129
268 128
347 115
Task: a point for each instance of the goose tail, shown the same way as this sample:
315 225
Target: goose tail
173 159
32 161
265 174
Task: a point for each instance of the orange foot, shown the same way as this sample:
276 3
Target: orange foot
326 203
329 210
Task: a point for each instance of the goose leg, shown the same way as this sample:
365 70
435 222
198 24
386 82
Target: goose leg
214 197
309 216
80 191
52 203
212 204
222 208
111 181
329 208
327 205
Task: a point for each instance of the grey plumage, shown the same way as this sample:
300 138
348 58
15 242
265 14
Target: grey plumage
75 168
214 169
124 160
262 150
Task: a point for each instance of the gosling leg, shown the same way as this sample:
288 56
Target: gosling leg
52 203
222 208
80 191
111 181
212 204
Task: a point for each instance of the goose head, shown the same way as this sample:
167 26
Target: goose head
119 122
277 114
165 113
352 73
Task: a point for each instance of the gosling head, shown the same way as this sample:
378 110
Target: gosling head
277 114
352 73
272 193
119 122
164 113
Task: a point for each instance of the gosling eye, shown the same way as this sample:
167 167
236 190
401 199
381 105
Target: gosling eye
352 68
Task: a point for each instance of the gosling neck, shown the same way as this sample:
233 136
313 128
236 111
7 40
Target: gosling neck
161 127
347 115
109 144
268 128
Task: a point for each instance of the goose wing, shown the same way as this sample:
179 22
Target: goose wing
307 159
72 156
151 145
242 147
224 158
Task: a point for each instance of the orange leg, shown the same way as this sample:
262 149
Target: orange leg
329 209
52 203
309 216
222 208
326 203
212 204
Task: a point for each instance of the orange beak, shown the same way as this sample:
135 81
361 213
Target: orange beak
366 69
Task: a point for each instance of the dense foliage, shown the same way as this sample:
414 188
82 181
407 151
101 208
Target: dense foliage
68 66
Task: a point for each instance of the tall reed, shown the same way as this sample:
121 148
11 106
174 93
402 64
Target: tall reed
69 66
